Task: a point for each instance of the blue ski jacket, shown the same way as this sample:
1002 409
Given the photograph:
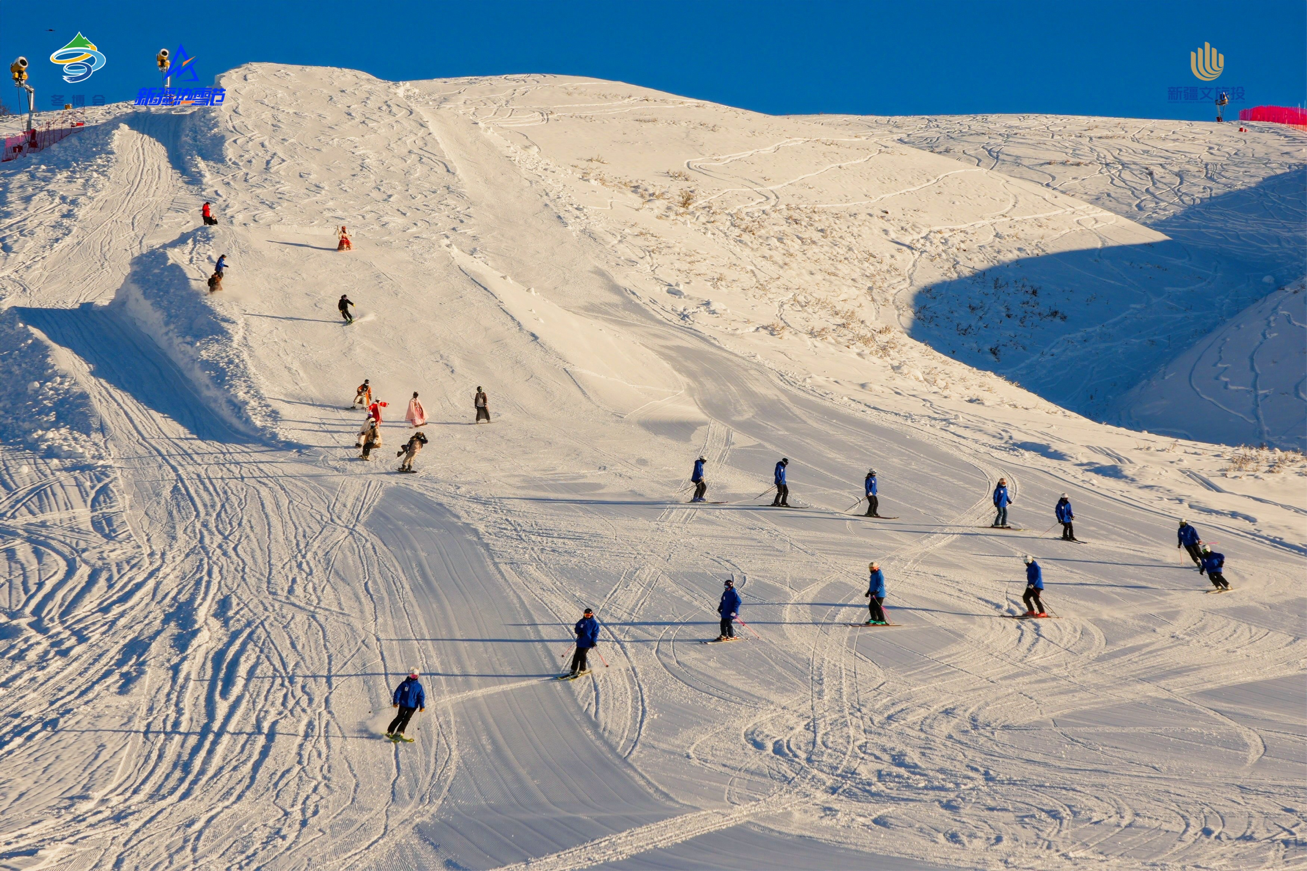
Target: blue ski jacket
1063 511
1000 497
870 485
1034 577
697 475
587 632
221 264
730 605
780 474
1214 562
410 694
1187 535
877 587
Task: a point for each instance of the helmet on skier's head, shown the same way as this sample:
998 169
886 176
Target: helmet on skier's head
413 673
1029 559
702 460
785 461
478 387
730 582
1184 522
871 473
1002 480
873 565
1204 548
588 612
1064 496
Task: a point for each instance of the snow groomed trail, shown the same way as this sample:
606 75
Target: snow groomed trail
204 626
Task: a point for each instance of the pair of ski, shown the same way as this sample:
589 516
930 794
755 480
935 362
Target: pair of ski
873 625
398 739
721 640
1222 590
572 675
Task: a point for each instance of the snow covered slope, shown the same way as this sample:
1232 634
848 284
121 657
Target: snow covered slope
205 619
1233 206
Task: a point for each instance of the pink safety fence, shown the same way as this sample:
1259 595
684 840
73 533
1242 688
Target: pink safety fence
1277 114
35 140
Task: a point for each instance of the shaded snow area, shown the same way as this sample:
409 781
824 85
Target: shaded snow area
1082 327
209 599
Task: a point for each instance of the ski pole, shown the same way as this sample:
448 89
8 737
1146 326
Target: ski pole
601 658
1050 529
750 628
765 492
855 504
569 649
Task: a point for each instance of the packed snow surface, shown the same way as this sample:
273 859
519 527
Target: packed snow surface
209 599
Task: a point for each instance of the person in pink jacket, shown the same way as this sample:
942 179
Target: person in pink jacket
417 415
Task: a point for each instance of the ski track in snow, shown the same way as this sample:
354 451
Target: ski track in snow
202 636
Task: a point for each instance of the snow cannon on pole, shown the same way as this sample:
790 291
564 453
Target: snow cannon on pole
164 65
18 69
1222 100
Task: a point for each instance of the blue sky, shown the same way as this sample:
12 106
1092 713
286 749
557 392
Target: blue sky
946 57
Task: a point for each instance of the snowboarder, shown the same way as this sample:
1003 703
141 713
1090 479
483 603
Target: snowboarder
729 609
410 451
1214 565
368 424
1034 586
482 403
782 489
1001 501
696 478
869 488
1064 516
220 265
587 637
876 595
343 243
207 213
416 414
1188 537
371 440
409 697
363 396
343 306
375 409
215 282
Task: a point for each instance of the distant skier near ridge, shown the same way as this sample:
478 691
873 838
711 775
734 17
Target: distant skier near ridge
410 451
1001 501
363 396
1034 586
416 414
220 266
587 638
729 609
869 488
1214 566
1064 516
409 697
696 478
876 595
371 440
782 499
343 305
207 214
1187 536
342 240
482 403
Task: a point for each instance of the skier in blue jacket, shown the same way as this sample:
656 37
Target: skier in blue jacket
1187 536
696 477
782 489
1214 565
729 609
1034 586
220 265
1001 501
587 638
869 489
876 595
1064 516
409 697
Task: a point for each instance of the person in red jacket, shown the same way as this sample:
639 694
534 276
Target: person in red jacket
208 215
375 409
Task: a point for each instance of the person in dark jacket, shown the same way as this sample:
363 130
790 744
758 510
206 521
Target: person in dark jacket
1001 501
869 489
482 403
696 478
1214 565
782 489
587 637
343 307
409 697
1034 586
1187 536
876 595
729 609
215 282
1064 516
